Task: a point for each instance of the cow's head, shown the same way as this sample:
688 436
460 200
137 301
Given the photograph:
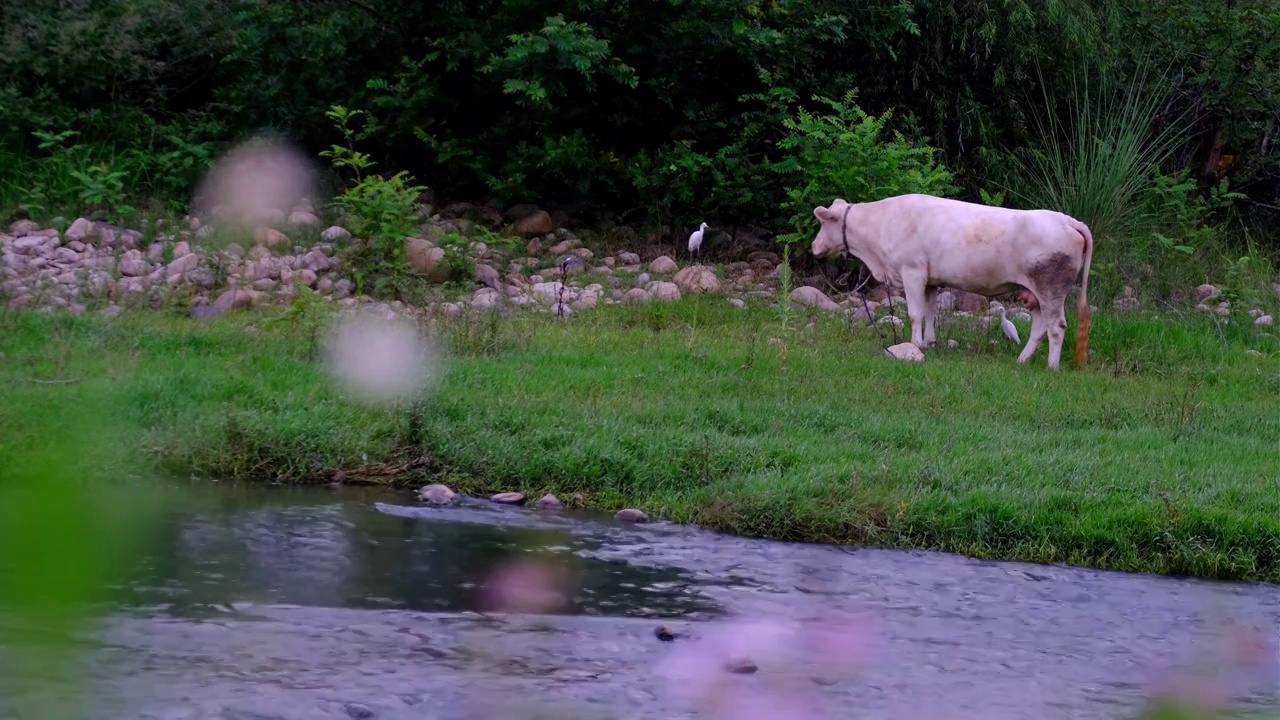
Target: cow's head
830 238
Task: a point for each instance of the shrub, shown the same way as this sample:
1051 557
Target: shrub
381 212
849 154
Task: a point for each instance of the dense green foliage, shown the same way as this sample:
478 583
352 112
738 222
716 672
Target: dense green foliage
669 109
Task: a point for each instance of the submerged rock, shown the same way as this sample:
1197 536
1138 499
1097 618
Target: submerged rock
631 515
549 501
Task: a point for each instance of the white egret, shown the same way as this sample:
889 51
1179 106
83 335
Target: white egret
695 240
1010 330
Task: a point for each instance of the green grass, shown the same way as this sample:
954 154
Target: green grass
1163 455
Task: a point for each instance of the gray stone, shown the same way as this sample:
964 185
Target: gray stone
508 498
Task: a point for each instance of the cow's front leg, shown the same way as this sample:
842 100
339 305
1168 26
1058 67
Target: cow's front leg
930 315
913 285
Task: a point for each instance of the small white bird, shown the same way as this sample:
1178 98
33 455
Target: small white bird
1010 330
695 240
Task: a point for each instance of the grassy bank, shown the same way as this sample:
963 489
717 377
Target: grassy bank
1164 455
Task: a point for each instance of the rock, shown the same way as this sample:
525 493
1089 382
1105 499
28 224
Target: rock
570 264
485 298
303 217
635 296
201 277
1126 304
548 292
343 287
235 299
737 302
663 633
897 321
508 498
437 494
588 299
562 247
663 265
426 259
697 279
1263 320
522 210
664 291
334 232
1206 292
488 275
207 312
264 236
642 279
450 309
534 246
561 310
535 223
629 258
953 344
316 261
132 264
183 264
906 351
22 228
181 249
549 501
813 297
356 711
300 278
970 302
631 515
946 301
82 230
29 244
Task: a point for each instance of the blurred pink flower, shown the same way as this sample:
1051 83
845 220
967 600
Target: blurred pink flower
784 653
525 586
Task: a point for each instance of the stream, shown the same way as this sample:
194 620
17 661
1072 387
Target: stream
262 603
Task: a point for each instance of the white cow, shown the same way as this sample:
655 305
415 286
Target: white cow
920 243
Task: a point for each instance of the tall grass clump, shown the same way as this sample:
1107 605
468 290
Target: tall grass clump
1098 158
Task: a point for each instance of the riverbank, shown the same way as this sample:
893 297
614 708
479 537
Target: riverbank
1160 457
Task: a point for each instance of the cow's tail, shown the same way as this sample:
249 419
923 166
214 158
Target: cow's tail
1082 305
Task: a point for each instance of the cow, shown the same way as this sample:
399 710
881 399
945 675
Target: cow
921 242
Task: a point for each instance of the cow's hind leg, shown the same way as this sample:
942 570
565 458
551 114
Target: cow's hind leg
930 315
1054 320
1052 278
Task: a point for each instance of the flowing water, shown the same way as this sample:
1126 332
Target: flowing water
268 603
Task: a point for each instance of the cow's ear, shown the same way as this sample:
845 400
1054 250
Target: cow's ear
824 214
